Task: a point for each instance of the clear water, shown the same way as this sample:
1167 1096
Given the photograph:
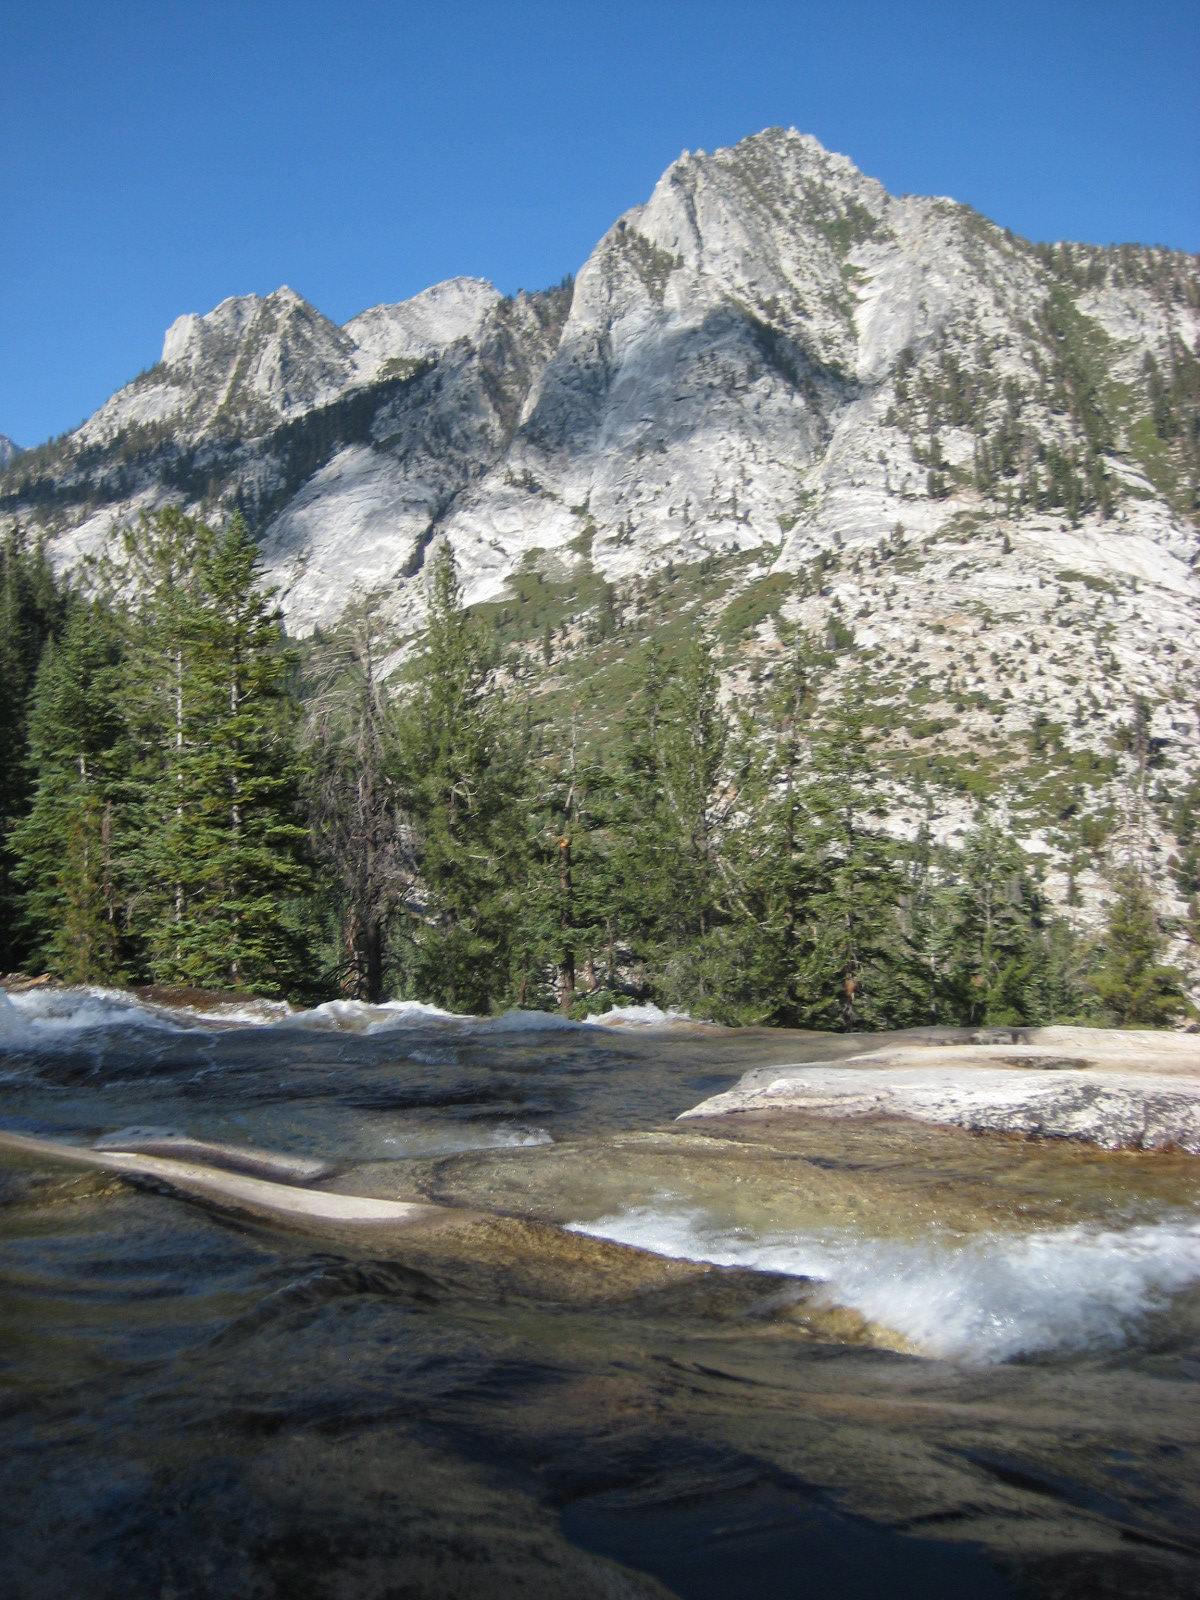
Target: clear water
842 1358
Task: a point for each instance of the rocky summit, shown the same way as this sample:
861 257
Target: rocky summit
774 394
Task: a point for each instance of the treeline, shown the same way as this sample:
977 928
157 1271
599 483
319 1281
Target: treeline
154 819
187 801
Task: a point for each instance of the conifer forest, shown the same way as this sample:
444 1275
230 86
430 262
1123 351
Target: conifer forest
189 798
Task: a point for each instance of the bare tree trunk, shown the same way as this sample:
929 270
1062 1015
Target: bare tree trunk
566 965
235 828
373 950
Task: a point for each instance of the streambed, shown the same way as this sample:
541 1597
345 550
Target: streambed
796 1353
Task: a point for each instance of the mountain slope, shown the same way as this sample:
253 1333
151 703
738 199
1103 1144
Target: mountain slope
771 348
774 393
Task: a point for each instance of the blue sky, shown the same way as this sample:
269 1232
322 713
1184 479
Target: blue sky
158 157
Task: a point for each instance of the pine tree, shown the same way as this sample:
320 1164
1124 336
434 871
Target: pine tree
699 957
1136 989
550 932
65 845
217 852
151 574
243 854
642 885
575 895
779 867
993 952
853 961
692 739
461 776
31 608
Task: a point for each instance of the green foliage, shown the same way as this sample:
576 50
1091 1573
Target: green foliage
853 956
65 844
853 226
480 849
243 856
574 901
990 951
165 837
1135 988
779 864
652 264
461 773
761 599
839 635
30 611
1174 401
692 737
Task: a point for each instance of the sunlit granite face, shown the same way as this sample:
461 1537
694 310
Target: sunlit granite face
1118 1090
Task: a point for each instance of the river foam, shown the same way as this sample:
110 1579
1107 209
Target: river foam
39 1018
361 1016
981 1300
641 1016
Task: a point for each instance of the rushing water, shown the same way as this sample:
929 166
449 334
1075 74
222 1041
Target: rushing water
843 1357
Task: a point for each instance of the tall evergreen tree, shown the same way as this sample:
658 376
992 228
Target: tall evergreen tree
781 870
574 893
218 849
152 573
691 781
693 735
992 935
854 965
65 845
1136 989
549 932
643 887
462 761
244 853
31 606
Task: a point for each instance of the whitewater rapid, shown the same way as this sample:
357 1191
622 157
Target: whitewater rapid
37 1017
982 1299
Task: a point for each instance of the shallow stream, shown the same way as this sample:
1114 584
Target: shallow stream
842 1357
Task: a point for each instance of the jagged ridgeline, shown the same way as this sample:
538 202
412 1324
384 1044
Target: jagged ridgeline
777 403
